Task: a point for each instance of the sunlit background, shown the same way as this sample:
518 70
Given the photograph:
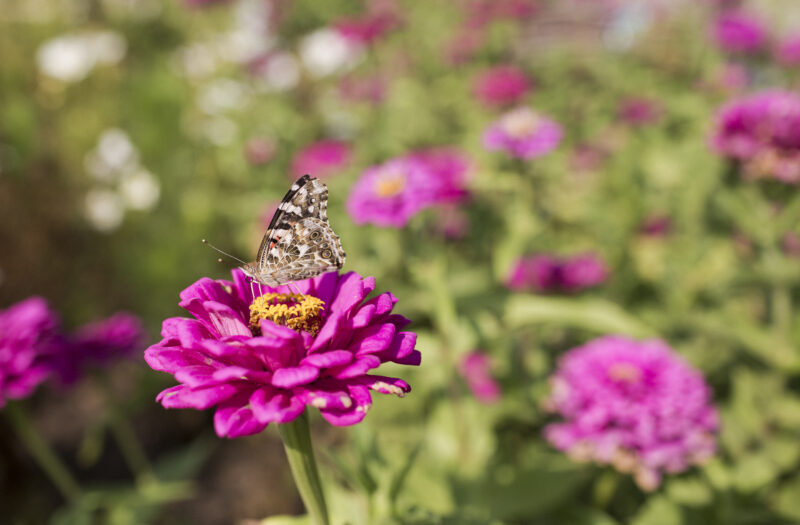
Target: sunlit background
525 176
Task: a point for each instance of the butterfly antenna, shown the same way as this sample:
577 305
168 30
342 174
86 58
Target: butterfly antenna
223 253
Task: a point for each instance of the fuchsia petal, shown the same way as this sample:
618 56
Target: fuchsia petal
356 369
355 414
328 359
271 405
235 418
181 396
288 377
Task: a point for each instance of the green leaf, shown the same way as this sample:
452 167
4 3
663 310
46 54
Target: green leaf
658 510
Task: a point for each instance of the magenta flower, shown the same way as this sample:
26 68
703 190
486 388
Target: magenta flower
476 370
547 273
368 28
501 85
391 193
632 404
523 133
29 338
639 111
98 344
739 32
263 360
762 131
787 52
321 159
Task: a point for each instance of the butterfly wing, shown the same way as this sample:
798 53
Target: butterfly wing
308 197
307 250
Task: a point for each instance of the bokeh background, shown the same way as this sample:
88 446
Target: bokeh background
132 129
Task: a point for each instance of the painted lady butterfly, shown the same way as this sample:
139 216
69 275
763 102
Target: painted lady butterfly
299 243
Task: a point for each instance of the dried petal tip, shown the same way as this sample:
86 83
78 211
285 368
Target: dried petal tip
298 312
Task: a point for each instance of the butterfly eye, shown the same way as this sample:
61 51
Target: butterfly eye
314 236
326 254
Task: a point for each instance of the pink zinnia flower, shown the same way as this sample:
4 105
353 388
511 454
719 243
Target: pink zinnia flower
321 159
523 133
739 32
475 368
391 193
548 273
639 111
238 352
29 338
636 405
787 51
501 85
762 131
98 344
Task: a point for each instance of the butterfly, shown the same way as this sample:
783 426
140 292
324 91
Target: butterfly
299 242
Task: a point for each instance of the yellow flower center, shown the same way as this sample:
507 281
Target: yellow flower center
624 372
390 185
298 312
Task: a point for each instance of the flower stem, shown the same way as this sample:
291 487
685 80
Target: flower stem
42 452
297 443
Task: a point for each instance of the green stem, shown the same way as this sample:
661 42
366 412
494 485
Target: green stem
125 436
781 310
297 443
42 452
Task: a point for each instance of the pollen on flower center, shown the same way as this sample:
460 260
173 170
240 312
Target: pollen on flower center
298 312
624 372
390 185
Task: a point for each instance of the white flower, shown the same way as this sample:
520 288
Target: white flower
104 209
116 150
325 52
66 58
222 95
281 72
140 190
70 58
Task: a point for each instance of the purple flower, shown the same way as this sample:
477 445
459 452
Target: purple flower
639 111
632 404
547 273
98 344
787 52
29 337
501 85
391 193
264 359
762 131
475 369
523 133
739 32
321 159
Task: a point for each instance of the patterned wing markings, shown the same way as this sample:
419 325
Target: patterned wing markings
299 242
306 198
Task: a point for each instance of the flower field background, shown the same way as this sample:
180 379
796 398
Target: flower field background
587 210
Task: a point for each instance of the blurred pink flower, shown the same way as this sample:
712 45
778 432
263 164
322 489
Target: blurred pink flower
501 85
238 352
739 32
367 28
370 88
787 51
523 133
548 273
321 159
656 226
259 151
790 243
30 337
475 368
391 193
635 405
483 12
762 131
464 46
639 111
